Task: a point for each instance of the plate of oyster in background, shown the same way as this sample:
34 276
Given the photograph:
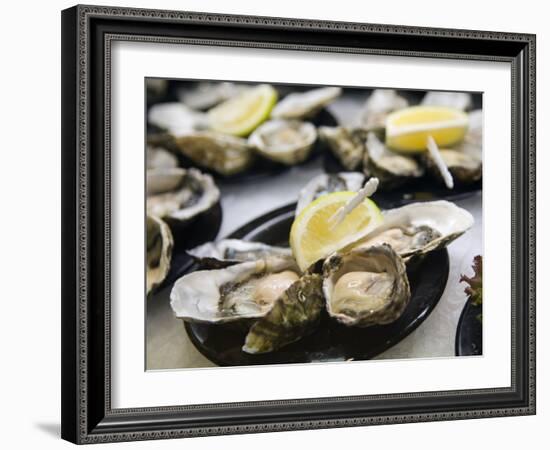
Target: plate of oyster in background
387 140
240 131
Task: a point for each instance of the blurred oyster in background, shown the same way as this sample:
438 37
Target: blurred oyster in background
379 104
226 252
304 105
346 144
156 87
176 118
159 251
284 141
222 153
159 158
326 183
391 169
179 194
458 100
208 94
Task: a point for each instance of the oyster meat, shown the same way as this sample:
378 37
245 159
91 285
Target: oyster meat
457 100
180 194
159 158
305 105
327 183
243 291
366 286
232 251
346 144
284 141
222 153
379 104
294 314
159 251
391 169
176 118
418 228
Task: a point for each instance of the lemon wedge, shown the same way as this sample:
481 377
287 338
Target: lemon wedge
241 114
407 129
314 236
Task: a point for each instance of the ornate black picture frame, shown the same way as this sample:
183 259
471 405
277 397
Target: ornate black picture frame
87 35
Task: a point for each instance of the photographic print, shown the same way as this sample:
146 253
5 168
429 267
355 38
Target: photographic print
311 224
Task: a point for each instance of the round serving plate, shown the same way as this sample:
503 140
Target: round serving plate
469 331
330 341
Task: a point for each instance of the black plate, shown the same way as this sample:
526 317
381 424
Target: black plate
469 332
331 341
423 189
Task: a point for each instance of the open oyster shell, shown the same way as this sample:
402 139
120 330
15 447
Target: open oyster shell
159 251
294 315
305 105
366 286
379 104
159 158
180 194
243 291
284 141
458 100
391 169
222 153
208 94
346 144
176 118
464 161
326 183
226 252
418 228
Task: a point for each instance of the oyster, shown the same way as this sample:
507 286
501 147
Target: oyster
159 158
379 104
464 166
418 228
222 153
209 94
285 141
391 169
232 251
243 291
366 286
294 314
305 105
179 194
176 118
326 183
457 100
159 251
346 144
464 160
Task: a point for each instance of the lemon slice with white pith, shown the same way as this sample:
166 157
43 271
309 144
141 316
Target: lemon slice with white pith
407 129
314 235
240 115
